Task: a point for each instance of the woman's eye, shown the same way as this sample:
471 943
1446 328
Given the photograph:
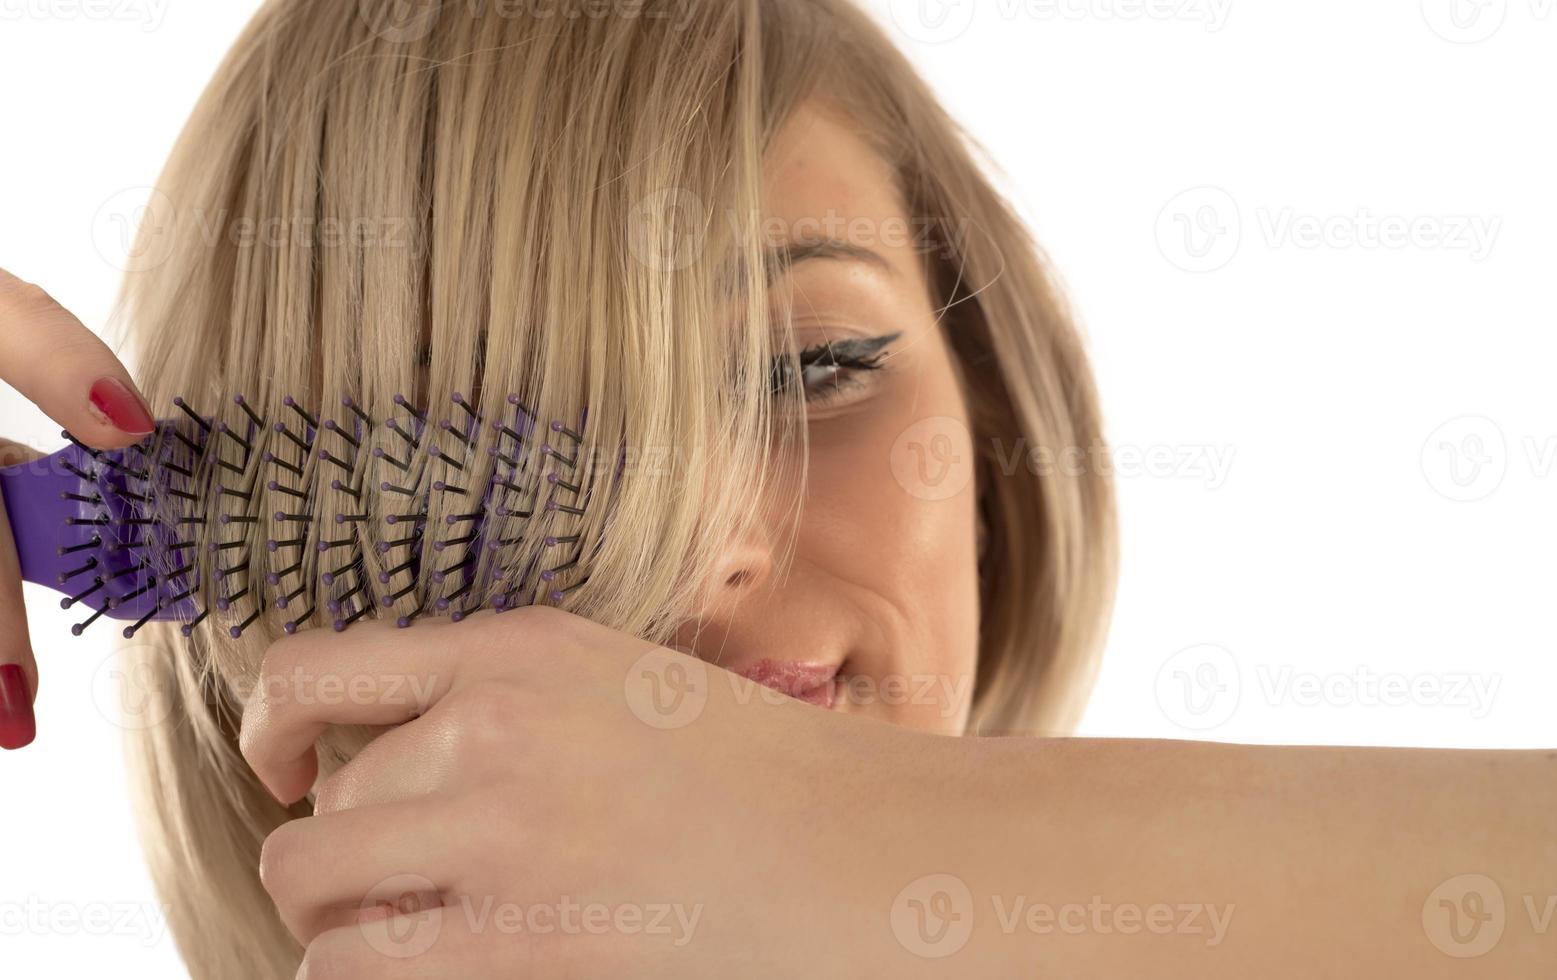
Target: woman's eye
815 375
830 371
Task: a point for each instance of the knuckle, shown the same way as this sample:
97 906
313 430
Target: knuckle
23 296
280 661
248 740
276 659
483 714
331 794
325 959
66 348
280 858
540 626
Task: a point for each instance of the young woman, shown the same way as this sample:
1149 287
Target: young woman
743 245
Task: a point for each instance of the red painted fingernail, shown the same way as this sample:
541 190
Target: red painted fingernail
122 407
17 725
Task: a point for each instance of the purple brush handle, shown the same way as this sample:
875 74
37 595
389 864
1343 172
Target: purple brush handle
54 534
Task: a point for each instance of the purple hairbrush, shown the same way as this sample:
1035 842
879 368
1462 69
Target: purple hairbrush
315 519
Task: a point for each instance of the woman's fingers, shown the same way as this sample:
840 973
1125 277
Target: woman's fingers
60 366
404 763
377 674
319 868
63 368
425 945
372 674
18 669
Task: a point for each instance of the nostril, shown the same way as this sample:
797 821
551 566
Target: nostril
738 579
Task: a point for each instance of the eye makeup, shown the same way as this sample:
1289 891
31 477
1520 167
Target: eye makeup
829 371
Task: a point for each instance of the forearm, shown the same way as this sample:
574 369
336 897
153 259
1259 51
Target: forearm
1113 859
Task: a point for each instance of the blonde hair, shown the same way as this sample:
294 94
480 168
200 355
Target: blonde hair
502 193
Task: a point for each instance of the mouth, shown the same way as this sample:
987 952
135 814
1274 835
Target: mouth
813 683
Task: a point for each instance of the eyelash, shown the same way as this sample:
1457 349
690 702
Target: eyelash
848 367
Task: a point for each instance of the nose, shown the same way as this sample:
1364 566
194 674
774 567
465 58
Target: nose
744 566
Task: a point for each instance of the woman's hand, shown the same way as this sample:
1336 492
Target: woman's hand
63 368
561 799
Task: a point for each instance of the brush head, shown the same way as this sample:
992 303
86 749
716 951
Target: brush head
305 518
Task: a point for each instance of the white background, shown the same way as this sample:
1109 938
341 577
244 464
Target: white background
1312 244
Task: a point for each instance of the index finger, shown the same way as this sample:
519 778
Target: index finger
63 368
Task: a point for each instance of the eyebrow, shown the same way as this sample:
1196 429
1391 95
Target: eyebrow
781 259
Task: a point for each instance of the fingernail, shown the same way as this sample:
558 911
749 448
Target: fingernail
122 407
17 725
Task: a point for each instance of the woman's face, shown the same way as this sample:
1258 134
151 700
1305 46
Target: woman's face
878 612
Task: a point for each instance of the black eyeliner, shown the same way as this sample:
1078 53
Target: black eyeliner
861 354
849 351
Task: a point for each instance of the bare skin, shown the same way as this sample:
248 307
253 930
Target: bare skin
796 841
884 581
58 364
533 769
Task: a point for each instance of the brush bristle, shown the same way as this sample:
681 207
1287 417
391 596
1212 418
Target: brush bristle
319 517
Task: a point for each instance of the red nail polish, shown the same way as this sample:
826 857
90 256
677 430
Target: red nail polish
17 725
123 408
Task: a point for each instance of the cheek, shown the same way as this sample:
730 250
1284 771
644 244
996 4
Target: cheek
891 509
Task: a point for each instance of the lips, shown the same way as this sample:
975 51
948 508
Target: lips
812 683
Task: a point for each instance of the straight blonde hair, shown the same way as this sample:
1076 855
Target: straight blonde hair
489 202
